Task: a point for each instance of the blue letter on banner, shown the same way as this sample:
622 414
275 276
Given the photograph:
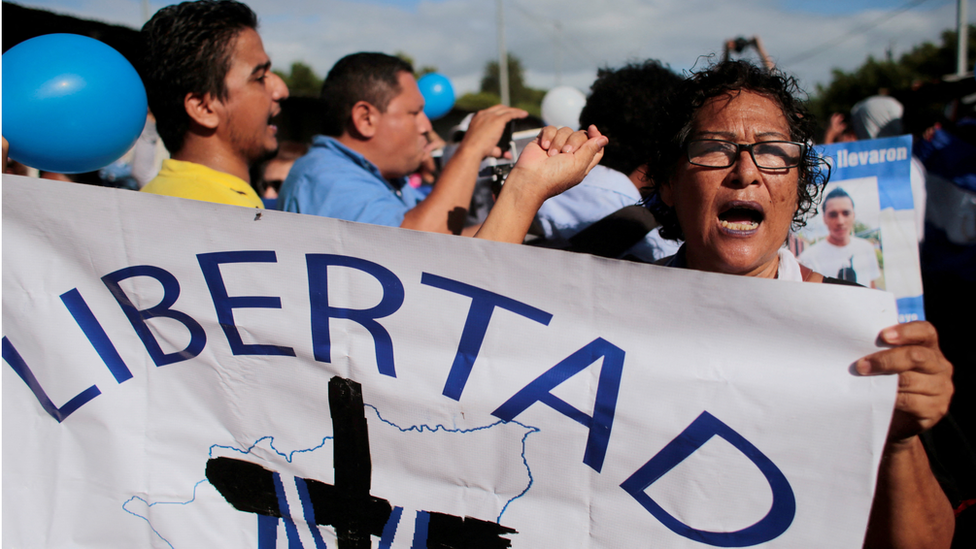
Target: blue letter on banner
483 303
96 334
606 395
776 521
15 361
318 293
225 305
171 291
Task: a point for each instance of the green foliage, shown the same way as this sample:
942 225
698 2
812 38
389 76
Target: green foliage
417 73
404 57
925 62
534 108
521 95
302 81
477 101
933 62
471 102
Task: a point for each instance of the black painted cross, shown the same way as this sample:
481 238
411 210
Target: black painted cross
347 506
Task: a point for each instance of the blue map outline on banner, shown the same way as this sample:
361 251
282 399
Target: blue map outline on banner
153 528
420 429
289 457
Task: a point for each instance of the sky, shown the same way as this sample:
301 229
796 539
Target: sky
564 42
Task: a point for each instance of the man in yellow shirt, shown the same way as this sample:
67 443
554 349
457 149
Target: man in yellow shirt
211 89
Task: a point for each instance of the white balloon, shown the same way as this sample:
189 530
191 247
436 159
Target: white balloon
562 106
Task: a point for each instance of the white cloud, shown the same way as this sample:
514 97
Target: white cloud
459 36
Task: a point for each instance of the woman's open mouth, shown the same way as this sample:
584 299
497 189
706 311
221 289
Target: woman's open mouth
741 217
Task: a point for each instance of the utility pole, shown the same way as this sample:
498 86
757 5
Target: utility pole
559 52
146 13
502 56
962 35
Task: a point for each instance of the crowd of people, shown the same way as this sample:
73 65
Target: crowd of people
709 172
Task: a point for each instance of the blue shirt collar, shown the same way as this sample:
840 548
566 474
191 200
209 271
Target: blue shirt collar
334 145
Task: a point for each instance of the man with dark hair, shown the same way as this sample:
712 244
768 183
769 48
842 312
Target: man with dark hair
624 104
842 255
375 136
211 89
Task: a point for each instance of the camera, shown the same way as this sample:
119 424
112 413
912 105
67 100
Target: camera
742 43
496 170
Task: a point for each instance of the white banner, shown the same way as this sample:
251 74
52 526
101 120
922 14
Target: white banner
184 374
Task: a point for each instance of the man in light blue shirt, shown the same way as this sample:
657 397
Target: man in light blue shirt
376 135
624 104
336 181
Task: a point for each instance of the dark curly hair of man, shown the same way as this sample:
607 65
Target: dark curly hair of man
188 48
364 76
624 106
667 149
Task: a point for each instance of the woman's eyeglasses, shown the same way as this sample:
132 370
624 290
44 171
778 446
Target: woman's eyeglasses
770 155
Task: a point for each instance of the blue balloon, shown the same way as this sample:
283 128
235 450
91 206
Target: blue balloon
71 104
438 94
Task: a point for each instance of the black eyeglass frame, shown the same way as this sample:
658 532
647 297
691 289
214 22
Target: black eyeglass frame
739 147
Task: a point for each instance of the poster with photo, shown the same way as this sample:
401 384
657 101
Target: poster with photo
844 239
865 228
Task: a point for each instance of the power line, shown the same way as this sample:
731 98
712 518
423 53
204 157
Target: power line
553 27
853 32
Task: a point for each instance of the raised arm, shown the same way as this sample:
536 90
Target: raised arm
554 162
453 189
763 54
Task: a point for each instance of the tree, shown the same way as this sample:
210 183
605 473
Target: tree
521 95
933 62
477 101
417 73
302 81
926 62
403 56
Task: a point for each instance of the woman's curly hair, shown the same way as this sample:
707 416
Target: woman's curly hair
676 125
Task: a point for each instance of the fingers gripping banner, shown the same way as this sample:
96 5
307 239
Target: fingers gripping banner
183 374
